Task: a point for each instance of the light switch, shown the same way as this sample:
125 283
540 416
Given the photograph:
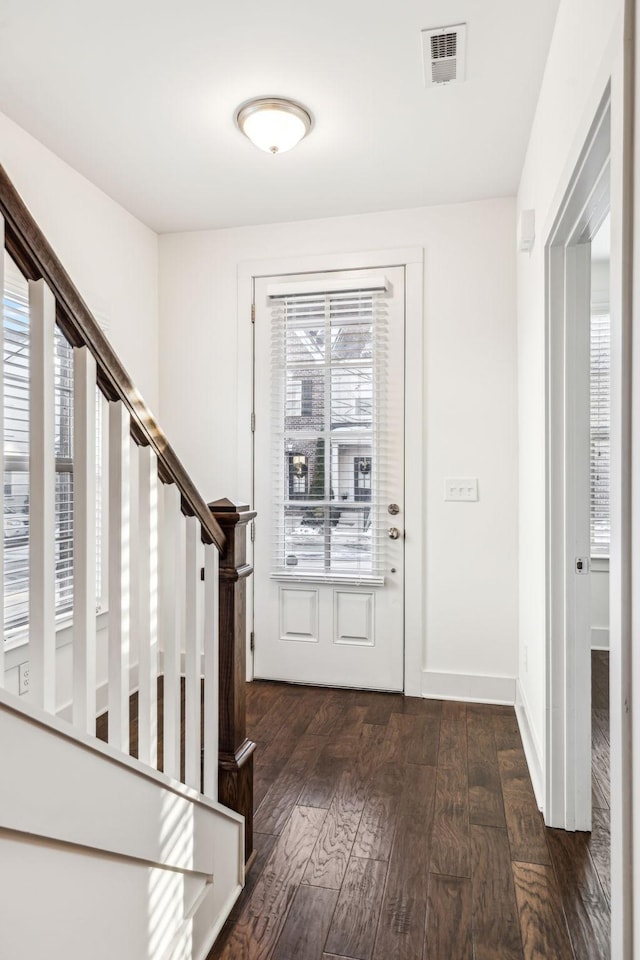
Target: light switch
461 488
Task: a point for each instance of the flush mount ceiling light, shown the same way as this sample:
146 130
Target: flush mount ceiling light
273 124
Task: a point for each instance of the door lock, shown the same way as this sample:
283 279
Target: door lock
582 565
393 509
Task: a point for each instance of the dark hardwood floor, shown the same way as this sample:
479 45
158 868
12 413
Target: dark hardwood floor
392 828
600 767
582 860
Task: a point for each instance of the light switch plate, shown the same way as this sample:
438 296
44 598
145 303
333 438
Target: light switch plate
461 488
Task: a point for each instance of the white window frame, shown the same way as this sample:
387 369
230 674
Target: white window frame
292 310
15 644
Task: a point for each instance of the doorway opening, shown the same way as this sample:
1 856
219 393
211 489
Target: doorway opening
600 538
578 459
357 468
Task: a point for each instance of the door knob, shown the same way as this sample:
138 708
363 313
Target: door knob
394 533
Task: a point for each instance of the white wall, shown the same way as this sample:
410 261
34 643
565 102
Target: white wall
586 55
470 415
111 257
113 260
585 45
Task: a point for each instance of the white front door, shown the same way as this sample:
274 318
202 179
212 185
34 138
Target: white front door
329 478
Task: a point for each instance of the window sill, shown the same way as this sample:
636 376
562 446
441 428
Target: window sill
16 650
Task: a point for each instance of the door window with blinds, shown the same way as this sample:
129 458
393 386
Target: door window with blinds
17 505
328 387
600 432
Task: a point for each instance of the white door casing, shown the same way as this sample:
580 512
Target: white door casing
568 733
329 592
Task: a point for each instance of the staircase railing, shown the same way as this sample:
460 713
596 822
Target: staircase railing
163 542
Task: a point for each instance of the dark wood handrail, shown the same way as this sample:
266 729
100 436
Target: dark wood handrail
35 257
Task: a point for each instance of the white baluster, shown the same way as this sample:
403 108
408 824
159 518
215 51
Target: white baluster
172 600
145 623
134 562
103 586
84 540
193 653
119 575
42 480
210 643
2 455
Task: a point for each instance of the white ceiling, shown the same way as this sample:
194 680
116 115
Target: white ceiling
140 96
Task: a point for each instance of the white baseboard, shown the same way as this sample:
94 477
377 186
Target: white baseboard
599 638
531 746
471 688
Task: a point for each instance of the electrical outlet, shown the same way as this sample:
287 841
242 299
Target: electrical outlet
461 488
23 678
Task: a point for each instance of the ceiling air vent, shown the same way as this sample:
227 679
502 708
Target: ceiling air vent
443 50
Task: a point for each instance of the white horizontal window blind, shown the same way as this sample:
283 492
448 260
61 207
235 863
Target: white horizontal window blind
16 451
600 429
328 424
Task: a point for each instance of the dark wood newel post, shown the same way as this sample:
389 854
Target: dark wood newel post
235 762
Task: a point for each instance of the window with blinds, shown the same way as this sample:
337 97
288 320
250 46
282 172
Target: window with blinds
600 427
16 459
328 389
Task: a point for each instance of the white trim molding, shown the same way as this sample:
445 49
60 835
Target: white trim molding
412 259
532 749
567 801
472 688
